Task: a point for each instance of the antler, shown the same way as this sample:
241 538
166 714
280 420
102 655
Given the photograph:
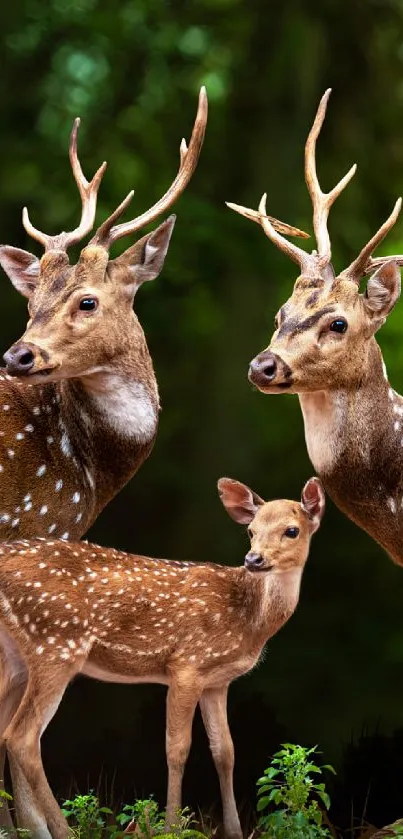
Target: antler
88 192
321 202
107 233
364 263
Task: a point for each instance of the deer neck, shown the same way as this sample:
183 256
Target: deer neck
110 418
355 442
272 598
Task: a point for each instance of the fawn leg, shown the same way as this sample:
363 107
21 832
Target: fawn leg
182 699
213 706
36 807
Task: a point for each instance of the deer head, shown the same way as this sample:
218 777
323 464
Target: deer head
80 314
323 333
279 531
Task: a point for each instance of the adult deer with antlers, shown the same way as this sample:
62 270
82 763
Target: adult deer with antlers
324 349
70 608
79 401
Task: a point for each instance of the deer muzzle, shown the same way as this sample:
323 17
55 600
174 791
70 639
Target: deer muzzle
256 562
25 359
267 371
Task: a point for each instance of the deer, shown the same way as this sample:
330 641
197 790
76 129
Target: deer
324 349
75 608
79 401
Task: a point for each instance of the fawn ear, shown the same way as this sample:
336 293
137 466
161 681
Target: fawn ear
239 501
22 267
145 260
313 501
383 290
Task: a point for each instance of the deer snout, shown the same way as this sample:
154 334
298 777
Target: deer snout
19 359
269 369
254 561
263 368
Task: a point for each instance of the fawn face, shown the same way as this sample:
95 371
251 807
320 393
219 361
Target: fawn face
81 316
323 333
279 531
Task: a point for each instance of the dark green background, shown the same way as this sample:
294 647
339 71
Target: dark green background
132 71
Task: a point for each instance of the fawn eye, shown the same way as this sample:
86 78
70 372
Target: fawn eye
276 322
88 304
250 532
291 532
339 325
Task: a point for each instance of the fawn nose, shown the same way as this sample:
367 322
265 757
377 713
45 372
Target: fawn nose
253 560
19 359
263 368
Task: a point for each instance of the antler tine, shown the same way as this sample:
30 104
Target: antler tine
364 263
88 192
321 201
301 257
280 226
189 155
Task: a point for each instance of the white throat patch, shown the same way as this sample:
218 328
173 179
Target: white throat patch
127 408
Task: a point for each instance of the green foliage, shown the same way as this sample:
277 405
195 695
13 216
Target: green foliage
146 815
88 820
287 784
85 816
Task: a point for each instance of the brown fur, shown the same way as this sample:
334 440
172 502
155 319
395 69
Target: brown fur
353 418
77 608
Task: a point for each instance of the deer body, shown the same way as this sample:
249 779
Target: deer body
324 349
355 443
70 608
71 446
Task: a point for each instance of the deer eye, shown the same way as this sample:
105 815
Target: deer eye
339 325
291 532
250 532
88 304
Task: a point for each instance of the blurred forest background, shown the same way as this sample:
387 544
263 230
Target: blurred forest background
132 70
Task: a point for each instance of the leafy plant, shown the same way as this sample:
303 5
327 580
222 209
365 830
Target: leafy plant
145 815
287 783
147 821
86 815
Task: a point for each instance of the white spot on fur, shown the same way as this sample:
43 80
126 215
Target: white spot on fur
391 504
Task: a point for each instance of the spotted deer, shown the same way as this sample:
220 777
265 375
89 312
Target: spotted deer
324 349
70 608
79 399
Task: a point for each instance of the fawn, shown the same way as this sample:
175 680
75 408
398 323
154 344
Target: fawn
324 349
70 608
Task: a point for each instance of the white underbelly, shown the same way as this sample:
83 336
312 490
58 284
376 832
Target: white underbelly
95 671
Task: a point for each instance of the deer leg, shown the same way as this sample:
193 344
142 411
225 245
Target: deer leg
36 807
213 706
13 680
182 700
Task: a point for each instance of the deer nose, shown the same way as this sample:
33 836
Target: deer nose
253 560
263 368
19 359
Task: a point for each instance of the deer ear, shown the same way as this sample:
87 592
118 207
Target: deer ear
240 502
145 260
383 290
21 267
313 501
